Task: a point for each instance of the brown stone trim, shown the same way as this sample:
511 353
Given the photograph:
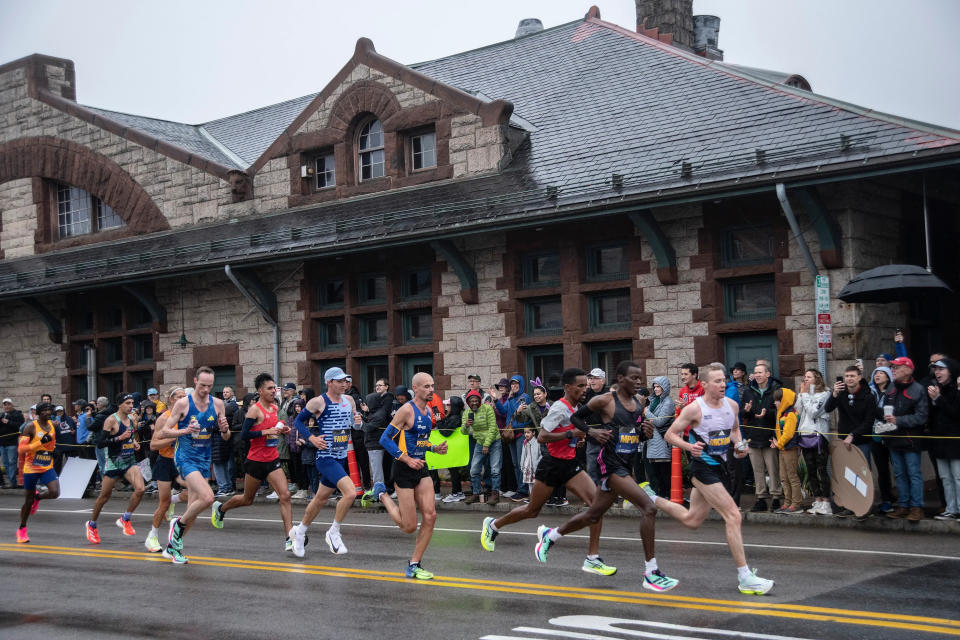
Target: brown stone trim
220 355
36 77
138 137
74 164
495 112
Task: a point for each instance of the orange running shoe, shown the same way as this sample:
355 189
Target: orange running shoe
22 535
92 534
127 527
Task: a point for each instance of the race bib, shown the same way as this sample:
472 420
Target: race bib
717 443
628 443
42 459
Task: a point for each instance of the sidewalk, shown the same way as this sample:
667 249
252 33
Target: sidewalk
872 523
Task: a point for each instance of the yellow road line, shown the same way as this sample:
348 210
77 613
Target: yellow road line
779 610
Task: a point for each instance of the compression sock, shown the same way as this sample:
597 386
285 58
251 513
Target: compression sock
554 535
335 527
175 498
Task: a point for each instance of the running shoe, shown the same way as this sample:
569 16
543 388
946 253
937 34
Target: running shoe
418 572
647 489
543 542
335 542
216 516
488 535
754 584
598 567
561 502
127 527
299 541
174 555
173 539
272 497
378 490
367 499
36 503
152 543
170 512
22 536
656 581
453 497
288 544
92 534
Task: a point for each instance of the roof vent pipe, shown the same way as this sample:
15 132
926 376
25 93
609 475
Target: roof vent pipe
528 26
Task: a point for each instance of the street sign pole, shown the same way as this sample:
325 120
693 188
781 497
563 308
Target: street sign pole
824 324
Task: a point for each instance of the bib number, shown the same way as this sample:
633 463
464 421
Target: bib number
717 443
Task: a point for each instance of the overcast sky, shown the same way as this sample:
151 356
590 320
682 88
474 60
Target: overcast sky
193 61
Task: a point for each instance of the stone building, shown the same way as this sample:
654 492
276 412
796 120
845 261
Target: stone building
574 196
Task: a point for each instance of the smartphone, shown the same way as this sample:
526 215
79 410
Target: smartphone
470 415
839 378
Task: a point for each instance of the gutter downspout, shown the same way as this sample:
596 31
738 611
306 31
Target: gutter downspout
807 256
266 316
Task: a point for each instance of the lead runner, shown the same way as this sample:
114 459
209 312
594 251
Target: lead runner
714 426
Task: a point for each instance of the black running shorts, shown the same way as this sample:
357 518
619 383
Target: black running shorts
164 470
555 472
406 477
260 470
710 473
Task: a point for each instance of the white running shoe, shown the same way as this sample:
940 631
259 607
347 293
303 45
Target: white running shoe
335 542
454 497
298 541
272 496
754 584
152 543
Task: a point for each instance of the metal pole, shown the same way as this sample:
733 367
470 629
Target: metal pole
807 256
926 226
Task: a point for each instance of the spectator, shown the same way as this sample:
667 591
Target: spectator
656 451
379 411
447 425
880 381
223 453
46 397
358 437
906 405
144 426
84 411
516 399
154 396
10 423
945 423
473 384
531 457
856 410
737 382
481 422
925 382
587 455
813 429
103 411
690 387
758 416
786 441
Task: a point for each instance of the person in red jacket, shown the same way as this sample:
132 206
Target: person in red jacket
690 387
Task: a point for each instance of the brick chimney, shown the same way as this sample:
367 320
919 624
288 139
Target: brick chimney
670 21
706 31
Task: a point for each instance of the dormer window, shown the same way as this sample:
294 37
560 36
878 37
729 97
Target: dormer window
79 213
423 150
325 172
370 147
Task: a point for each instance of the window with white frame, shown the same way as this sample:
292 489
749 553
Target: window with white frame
325 172
372 160
80 213
423 150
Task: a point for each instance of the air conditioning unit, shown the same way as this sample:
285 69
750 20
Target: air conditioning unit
306 171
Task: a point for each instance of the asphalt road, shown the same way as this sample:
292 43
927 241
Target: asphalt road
830 583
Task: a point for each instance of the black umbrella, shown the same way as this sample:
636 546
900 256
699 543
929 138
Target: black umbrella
893 283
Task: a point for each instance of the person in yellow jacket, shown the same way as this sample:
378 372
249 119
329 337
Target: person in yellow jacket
37 442
787 440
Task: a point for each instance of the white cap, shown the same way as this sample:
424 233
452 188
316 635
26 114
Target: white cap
597 373
6 400
58 408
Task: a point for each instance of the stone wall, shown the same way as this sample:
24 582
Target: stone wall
33 364
18 218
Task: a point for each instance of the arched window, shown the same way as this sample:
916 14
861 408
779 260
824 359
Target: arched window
80 213
371 159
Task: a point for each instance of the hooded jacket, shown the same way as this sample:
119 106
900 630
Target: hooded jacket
785 430
511 407
945 416
660 412
758 430
379 410
812 413
453 418
484 430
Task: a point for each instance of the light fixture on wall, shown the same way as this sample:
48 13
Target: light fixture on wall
182 342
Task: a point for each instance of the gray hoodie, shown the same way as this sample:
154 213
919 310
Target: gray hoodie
662 416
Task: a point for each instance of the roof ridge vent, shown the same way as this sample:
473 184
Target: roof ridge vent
528 26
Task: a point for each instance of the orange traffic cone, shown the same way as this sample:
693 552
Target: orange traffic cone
676 476
354 469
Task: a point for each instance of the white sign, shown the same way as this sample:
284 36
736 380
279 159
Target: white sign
75 476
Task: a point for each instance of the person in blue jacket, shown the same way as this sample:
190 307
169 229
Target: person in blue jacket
516 402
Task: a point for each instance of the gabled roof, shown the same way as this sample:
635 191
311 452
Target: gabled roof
600 100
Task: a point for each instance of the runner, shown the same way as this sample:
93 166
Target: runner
262 430
334 411
621 413
37 441
118 438
557 468
193 421
714 426
407 439
164 472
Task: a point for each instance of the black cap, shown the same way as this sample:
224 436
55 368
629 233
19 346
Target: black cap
290 385
739 365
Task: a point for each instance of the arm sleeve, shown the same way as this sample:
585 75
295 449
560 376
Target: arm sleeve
27 445
248 432
103 438
300 422
387 441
